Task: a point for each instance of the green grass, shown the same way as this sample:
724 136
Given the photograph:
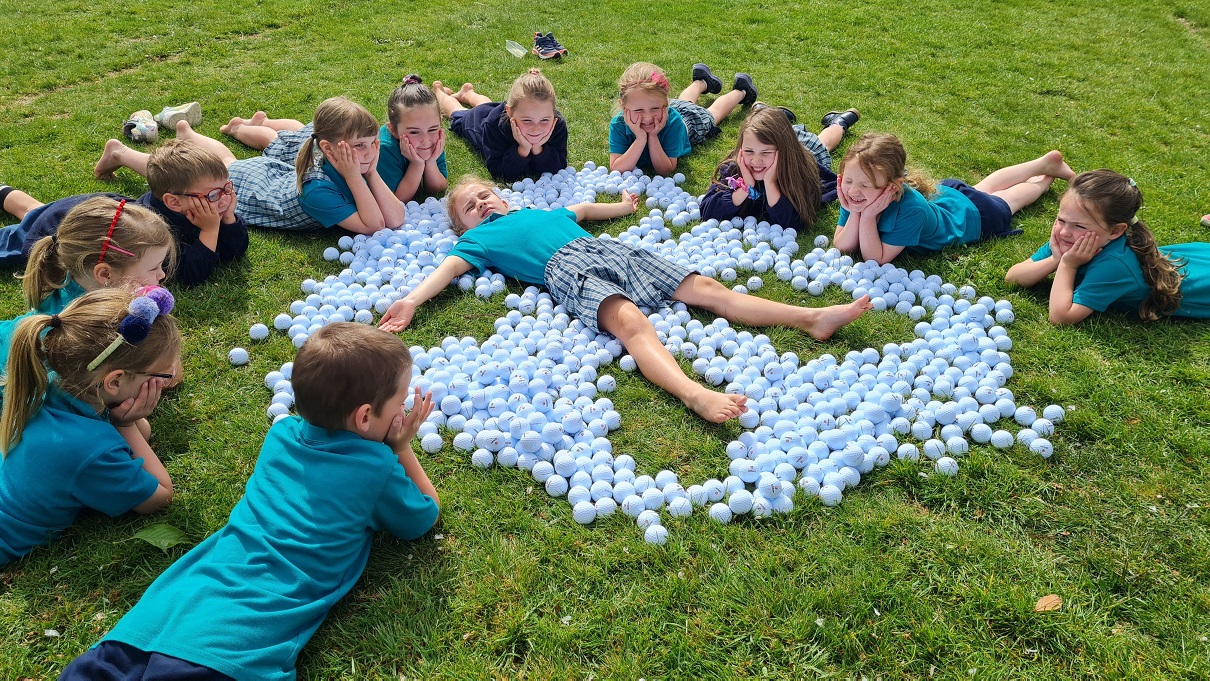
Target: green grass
912 575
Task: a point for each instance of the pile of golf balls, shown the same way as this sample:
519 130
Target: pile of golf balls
534 395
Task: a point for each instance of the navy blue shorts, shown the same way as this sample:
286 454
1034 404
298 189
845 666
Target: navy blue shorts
994 212
116 661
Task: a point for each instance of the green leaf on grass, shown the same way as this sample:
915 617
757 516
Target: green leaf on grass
162 535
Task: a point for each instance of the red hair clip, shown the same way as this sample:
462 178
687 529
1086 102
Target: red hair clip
109 235
661 80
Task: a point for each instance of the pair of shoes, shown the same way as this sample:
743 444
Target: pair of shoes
171 115
141 127
546 47
743 82
1206 221
845 119
789 114
701 72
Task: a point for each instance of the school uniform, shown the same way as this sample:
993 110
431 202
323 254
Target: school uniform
392 164
488 130
56 302
674 138
717 203
927 225
266 186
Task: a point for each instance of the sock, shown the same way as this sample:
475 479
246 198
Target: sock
5 190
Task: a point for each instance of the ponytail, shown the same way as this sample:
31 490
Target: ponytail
336 119
26 381
44 272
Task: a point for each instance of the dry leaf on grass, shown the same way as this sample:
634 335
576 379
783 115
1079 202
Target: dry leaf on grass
1048 603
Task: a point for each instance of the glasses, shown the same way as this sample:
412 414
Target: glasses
214 195
155 375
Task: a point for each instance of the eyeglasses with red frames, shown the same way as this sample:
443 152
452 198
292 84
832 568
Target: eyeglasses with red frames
214 195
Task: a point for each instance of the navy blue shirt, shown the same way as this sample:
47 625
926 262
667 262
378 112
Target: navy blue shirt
717 203
487 128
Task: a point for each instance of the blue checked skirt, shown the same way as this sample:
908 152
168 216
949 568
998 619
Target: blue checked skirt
698 121
266 186
810 141
582 274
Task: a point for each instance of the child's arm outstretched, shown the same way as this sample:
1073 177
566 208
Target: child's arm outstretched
860 230
605 211
1063 310
1029 271
125 418
399 439
400 313
377 206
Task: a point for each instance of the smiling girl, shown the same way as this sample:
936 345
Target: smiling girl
523 136
885 209
412 142
1102 256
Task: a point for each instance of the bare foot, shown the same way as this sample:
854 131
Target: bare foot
184 130
827 320
258 118
230 128
111 160
1056 166
438 86
716 407
466 90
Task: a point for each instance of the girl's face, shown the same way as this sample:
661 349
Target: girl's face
421 125
860 187
476 203
757 155
1076 218
533 118
646 107
146 271
131 382
365 151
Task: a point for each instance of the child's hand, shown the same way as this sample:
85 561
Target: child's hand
229 214
631 201
409 151
439 147
398 316
138 407
541 142
771 174
633 121
342 159
661 121
1082 251
523 145
201 213
884 199
744 171
840 195
404 427
1056 249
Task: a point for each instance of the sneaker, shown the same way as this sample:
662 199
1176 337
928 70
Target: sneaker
789 114
845 119
743 82
714 84
141 127
169 117
546 47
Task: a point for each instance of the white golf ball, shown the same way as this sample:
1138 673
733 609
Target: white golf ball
720 513
585 512
655 534
431 443
947 466
238 357
1042 447
258 332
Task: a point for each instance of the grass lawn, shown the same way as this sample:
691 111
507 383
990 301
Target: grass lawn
911 576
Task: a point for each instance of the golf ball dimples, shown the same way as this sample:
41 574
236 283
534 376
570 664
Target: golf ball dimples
259 332
957 445
633 505
1043 427
1042 447
1054 413
809 486
482 459
653 498
584 512
655 534
238 357
431 443
1025 416
761 507
720 513
542 470
647 519
934 449
1025 436
947 466
680 507
605 507
740 501
1002 439
577 494
981 433
463 441
830 495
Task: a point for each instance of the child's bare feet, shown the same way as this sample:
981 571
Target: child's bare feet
111 160
438 86
716 407
826 320
1055 166
258 118
464 92
232 126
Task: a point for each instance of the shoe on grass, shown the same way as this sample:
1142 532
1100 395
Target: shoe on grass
169 117
743 82
141 127
714 84
845 119
790 116
546 47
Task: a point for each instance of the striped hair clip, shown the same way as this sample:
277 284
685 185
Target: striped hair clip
149 303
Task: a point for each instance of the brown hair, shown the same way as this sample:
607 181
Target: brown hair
463 185
336 119
76 247
176 165
797 173
343 366
883 153
410 94
85 328
1117 200
643 77
531 85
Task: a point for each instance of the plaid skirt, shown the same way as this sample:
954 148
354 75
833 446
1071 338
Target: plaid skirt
266 186
582 274
810 141
698 120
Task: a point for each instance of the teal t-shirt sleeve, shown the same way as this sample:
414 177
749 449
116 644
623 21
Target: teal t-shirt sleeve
402 509
473 252
620 136
114 482
1042 253
324 202
901 227
441 165
391 163
843 219
674 138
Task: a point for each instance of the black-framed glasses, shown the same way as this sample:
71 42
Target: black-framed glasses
214 195
155 375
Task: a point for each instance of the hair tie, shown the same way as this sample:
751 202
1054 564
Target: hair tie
412 78
108 243
1131 181
1134 220
661 80
149 303
55 321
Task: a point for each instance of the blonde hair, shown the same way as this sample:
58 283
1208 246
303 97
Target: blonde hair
336 119
410 94
530 86
463 185
1116 199
797 173
643 77
176 165
368 361
884 153
76 248
84 329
